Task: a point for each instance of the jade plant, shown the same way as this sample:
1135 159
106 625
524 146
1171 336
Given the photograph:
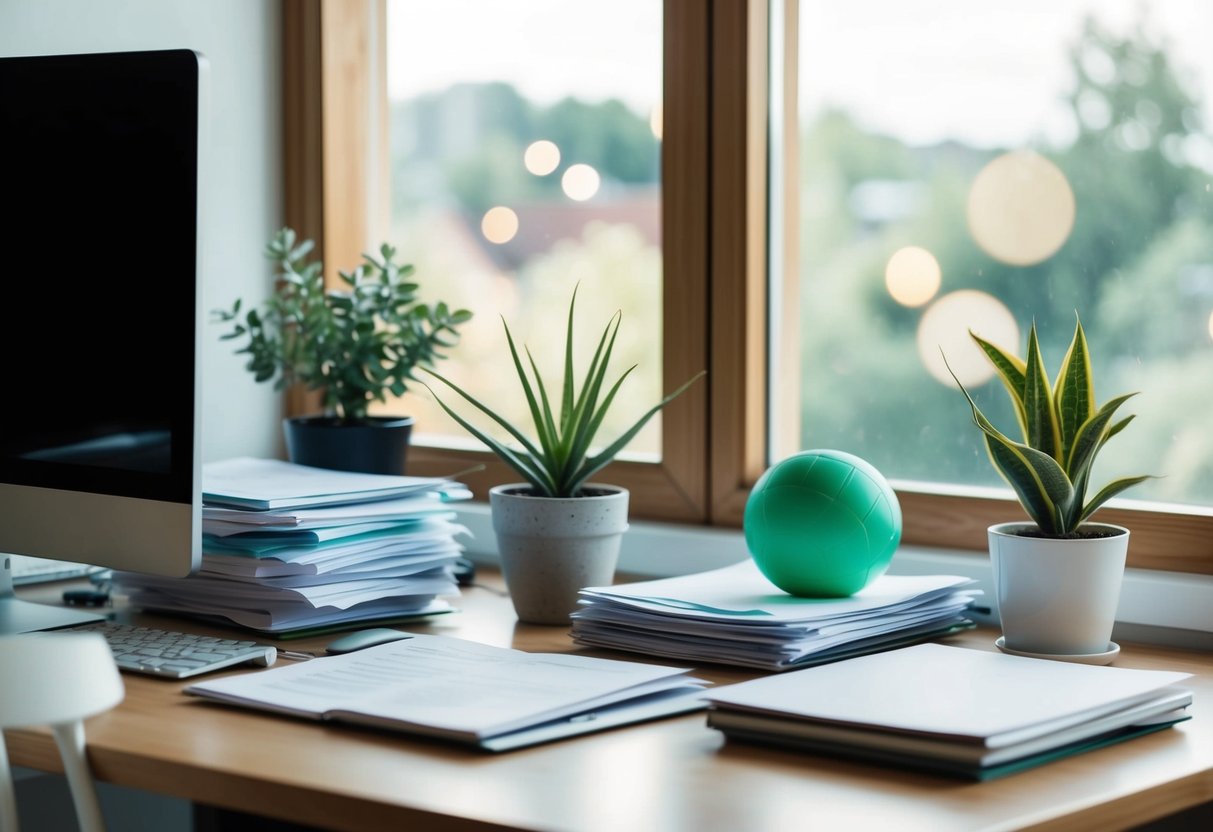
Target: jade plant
355 344
1063 432
557 461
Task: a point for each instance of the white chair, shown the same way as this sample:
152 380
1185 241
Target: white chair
56 679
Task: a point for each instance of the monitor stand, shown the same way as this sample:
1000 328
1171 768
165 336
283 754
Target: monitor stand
18 616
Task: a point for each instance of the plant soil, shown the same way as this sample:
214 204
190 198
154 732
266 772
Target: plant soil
1078 535
584 492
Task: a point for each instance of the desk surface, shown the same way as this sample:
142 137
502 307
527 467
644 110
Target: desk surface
675 774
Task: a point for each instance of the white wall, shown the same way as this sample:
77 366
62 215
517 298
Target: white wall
241 209
242 182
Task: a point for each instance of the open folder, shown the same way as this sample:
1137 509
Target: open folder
492 698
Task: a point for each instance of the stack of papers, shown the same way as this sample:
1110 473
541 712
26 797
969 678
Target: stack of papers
951 710
262 484
736 616
492 698
289 549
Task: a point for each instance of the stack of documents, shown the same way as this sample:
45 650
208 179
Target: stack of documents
736 616
951 710
492 698
289 548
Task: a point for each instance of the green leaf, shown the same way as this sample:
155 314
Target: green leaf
545 441
1036 478
589 429
1043 432
566 396
527 468
1090 437
1040 483
602 459
1074 391
513 431
1042 487
1108 492
583 425
1011 371
555 443
1118 427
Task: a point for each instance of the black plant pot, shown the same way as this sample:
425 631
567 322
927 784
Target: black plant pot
374 445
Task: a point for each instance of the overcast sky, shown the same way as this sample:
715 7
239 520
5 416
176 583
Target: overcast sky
988 73
547 48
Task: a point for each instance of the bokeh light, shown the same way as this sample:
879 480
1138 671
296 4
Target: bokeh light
945 326
499 224
656 120
912 276
1021 208
541 157
580 182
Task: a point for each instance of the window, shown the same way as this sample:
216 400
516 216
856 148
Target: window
718 439
994 171
515 181
335 65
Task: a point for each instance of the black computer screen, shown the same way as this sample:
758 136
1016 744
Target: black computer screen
98 177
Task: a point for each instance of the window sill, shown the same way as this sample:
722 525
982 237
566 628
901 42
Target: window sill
1168 608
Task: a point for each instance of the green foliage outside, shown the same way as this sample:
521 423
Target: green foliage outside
463 147
1138 268
459 152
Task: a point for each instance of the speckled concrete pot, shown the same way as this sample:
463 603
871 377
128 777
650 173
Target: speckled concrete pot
551 547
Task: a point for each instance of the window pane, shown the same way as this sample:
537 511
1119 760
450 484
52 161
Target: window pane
989 166
525 161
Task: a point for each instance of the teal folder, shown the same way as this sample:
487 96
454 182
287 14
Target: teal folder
952 768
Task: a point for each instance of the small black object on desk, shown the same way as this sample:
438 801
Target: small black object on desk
86 597
465 572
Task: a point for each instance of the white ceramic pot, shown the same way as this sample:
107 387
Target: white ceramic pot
551 547
1057 597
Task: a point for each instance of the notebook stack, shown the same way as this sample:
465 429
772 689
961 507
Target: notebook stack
736 616
290 550
951 710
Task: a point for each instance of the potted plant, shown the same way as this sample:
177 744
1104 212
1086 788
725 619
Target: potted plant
354 345
558 532
1057 578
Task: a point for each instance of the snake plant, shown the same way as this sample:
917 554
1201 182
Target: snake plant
557 461
1063 432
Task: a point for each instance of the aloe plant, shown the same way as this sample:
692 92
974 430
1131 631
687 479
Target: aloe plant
557 462
1063 432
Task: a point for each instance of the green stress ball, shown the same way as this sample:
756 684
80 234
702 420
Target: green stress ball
822 524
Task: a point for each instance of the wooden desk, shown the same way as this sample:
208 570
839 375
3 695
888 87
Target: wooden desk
671 775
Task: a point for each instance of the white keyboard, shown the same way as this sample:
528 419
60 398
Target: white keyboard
176 655
31 570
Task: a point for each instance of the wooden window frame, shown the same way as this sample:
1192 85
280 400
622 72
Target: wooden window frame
714 227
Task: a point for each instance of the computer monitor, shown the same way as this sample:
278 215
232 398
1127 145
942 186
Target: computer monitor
99 251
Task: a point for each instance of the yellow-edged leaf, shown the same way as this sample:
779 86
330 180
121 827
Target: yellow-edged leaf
1074 391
